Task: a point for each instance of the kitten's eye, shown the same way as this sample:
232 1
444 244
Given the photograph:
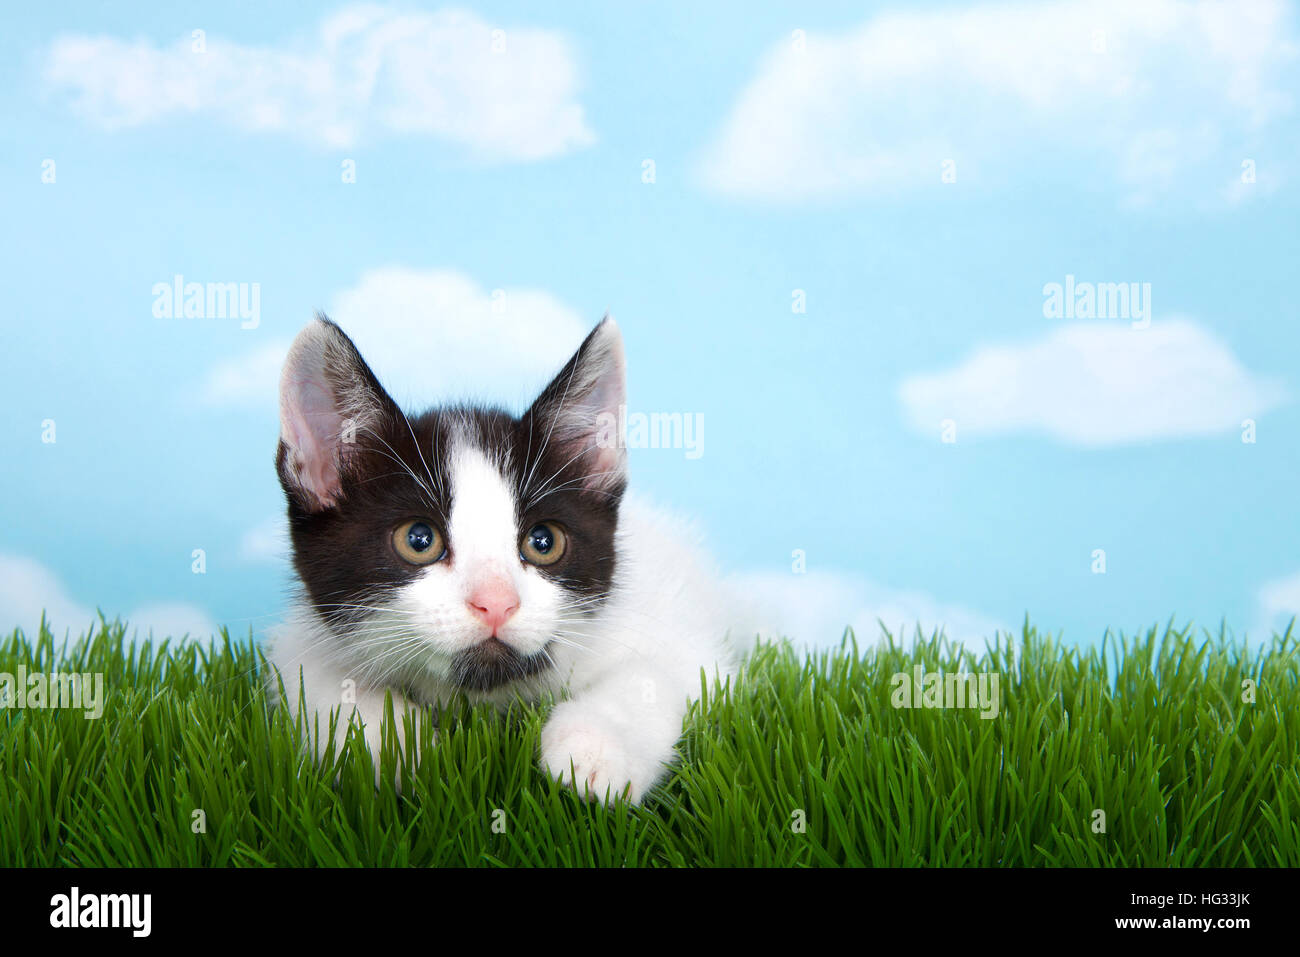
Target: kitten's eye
418 542
543 545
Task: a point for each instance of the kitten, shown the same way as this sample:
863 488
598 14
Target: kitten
466 550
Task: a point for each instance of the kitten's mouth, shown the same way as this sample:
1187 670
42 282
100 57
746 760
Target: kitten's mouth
492 663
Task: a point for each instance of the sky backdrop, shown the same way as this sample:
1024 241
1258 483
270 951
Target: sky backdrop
831 239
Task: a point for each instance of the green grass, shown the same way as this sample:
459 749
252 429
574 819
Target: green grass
1153 731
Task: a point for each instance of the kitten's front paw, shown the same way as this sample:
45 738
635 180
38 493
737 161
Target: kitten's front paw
580 752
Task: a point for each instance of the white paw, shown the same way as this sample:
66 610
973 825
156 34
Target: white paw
586 756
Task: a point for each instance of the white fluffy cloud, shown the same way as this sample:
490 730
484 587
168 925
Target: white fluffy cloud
27 588
814 608
366 70
1279 602
1095 383
171 619
429 334
1156 93
266 542
251 377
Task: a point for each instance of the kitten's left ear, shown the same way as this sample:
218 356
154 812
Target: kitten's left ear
580 410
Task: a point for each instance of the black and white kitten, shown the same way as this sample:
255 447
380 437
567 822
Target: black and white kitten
466 550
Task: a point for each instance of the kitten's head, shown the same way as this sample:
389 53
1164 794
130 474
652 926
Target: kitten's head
459 544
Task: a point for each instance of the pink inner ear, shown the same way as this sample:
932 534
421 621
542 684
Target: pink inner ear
312 426
605 465
595 443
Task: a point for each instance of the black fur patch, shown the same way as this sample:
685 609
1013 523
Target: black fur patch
492 663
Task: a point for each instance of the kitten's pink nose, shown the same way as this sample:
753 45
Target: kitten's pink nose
493 602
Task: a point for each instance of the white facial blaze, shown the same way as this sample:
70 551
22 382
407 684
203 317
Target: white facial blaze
483 541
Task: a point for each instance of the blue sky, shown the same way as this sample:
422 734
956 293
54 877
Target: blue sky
920 172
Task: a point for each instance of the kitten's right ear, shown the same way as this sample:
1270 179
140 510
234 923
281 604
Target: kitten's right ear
328 396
